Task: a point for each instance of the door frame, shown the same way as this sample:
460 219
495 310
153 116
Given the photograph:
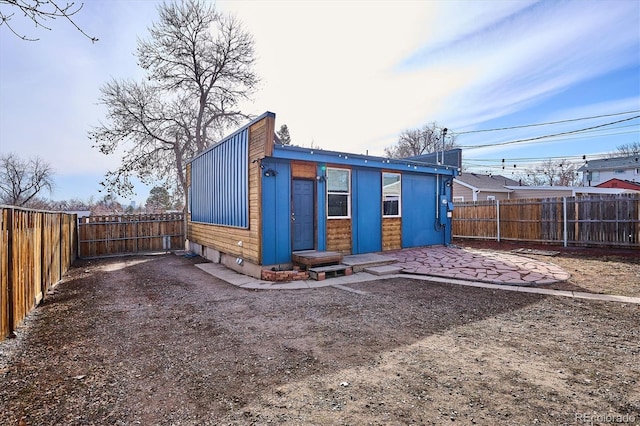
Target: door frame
315 211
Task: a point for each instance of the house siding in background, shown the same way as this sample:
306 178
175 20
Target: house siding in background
478 187
595 172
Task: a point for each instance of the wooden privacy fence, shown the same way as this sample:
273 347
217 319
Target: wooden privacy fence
596 220
36 249
112 235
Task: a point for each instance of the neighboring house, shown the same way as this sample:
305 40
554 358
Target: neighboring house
253 202
80 213
595 172
477 187
619 183
561 191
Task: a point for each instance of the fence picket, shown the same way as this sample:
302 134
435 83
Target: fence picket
36 249
597 220
123 234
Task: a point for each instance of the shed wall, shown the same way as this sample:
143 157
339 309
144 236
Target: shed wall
276 214
391 233
419 211
241 242
366 210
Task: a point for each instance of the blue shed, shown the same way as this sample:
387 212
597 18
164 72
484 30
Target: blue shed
252 202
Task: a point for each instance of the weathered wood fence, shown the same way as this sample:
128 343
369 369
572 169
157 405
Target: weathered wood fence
36 249
597 220
114 235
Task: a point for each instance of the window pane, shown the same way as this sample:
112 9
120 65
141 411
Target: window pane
390 184
390 207
338 205
337 180
391 191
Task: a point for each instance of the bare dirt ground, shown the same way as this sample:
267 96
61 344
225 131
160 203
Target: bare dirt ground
153 340
594 270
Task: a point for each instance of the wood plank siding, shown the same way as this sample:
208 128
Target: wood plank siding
303 169
391 233
226 238
339 235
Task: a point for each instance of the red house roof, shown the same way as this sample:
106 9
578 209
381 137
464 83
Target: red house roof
619 183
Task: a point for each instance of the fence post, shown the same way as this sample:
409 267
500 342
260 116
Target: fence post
45 271
498 219
564 219
10 280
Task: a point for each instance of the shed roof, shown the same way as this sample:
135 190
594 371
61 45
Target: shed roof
630 162
360 160
486 182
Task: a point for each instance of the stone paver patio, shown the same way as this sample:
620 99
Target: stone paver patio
476 265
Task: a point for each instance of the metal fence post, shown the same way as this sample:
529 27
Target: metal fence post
498 219
564 219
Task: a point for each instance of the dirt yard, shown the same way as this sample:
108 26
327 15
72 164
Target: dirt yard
153 340
594 270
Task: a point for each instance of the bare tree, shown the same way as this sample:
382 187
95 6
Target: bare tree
551 173
39 12
199 66
627 150
424 140
21 180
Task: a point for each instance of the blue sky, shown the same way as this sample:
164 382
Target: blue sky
351 76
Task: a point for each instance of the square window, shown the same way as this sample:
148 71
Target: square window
391 194
338 193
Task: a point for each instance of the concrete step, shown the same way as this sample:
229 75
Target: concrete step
383 270
361 261
324 272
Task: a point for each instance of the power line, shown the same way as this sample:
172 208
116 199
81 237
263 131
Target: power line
545 124
548 136
516 160
588 136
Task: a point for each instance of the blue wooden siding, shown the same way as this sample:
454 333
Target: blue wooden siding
321 207
419 226
276 214
366 210
220 183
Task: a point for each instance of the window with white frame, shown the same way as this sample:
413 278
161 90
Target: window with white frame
491 197
338 193
458 199
391 194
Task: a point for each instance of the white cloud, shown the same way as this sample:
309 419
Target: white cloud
346 75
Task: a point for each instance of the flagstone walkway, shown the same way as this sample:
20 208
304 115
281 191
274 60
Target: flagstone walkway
479 266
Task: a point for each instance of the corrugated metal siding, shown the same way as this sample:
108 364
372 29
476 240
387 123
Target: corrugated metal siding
220 183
